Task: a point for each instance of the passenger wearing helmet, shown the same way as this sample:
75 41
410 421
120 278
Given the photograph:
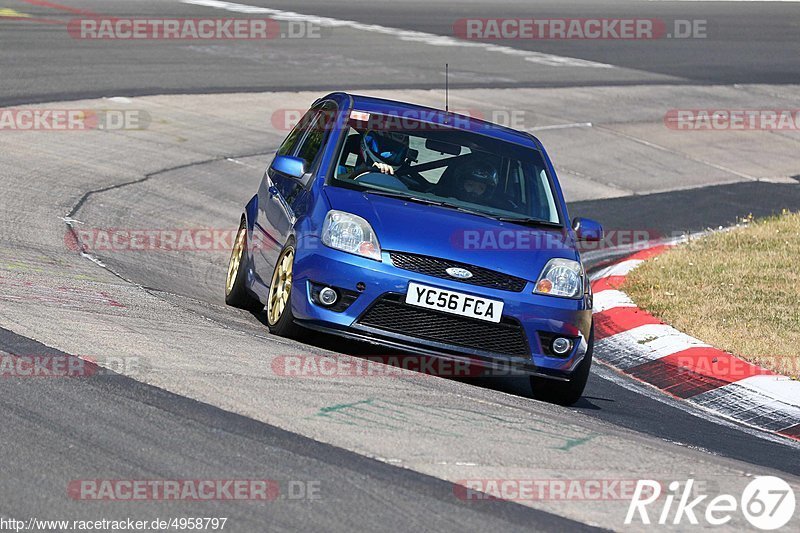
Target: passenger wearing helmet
476 181
382 151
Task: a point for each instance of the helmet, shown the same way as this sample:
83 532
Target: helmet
384 147
477 179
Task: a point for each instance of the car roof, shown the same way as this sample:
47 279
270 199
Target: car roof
384 106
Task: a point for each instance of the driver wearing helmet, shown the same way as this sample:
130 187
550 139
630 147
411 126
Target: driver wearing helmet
381 150
476 181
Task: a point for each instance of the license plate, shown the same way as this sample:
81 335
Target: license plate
454 302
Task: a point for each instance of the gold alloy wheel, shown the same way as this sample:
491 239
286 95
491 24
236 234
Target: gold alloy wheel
281 287
236 259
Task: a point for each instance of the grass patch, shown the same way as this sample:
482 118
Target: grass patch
736 290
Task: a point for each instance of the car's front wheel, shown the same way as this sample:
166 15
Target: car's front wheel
279 305
236 293
565 392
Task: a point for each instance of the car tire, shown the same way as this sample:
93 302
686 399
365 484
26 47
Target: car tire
279 302
565 392
236 294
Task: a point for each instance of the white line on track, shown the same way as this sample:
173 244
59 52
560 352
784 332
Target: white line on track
562 126
684 155
237 162
404 35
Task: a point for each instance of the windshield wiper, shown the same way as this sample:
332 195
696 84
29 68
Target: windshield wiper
528 221
427 201
401 196
470 211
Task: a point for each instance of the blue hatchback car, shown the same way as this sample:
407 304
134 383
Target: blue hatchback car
423 230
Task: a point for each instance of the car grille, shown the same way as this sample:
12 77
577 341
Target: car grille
433 266
390 313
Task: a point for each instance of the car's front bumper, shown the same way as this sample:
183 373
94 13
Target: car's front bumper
535 314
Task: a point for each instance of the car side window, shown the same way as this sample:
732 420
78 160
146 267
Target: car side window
317 133
290 143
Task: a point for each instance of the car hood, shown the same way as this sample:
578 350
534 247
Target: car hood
446 233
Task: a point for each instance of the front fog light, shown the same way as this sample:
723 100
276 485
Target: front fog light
328 296
561 345
561 277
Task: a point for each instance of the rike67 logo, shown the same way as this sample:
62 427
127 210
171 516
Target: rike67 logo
767 503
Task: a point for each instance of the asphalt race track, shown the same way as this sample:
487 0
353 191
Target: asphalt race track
186 387
747 42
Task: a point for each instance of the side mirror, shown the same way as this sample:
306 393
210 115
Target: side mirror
587 229
291 166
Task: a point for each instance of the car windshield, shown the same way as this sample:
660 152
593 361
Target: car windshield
430 163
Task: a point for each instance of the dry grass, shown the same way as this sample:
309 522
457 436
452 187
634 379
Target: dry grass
737 290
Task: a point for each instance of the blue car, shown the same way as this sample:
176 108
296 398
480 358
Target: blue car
421 230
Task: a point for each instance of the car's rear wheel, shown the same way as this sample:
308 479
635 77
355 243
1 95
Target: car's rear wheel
236 293
565 392
279 303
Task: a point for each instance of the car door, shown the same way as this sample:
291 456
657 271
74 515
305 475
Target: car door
282 197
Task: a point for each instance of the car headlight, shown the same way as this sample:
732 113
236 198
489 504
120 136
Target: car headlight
350 233
561 277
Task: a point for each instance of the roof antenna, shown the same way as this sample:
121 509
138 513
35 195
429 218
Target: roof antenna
446 88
